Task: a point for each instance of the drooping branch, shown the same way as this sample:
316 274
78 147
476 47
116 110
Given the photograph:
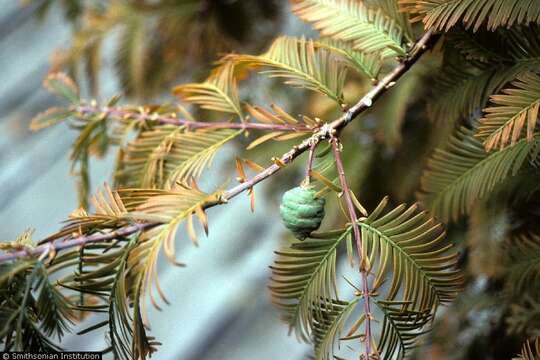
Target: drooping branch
77 241
142 114
327 131
336 148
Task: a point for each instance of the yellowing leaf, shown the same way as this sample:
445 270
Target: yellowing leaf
301 64
263 139
511 111
219 92
50 117
61 85
161 156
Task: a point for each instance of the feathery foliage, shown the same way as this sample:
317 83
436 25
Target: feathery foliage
148 41
511 111
131 58
392 10
109 279
63 86
301 64
524 317
369 30
364 63
476 66
406 248
163 155
463 90
304 280
93 139
31 308
170 208
444 14
123 271
402 246
462 172
219 92
328 326
400 329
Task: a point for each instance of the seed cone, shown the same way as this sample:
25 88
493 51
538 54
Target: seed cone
301 211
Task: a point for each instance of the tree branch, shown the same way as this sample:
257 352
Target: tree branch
172 119
78 241
327 131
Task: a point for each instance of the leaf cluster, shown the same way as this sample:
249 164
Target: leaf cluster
413 273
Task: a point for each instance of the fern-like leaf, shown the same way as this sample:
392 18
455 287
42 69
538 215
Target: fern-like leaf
407 248
511 111
463 86
109 279
328 326
164 155
462 172
339 323
392 10
60 84
110 212
301 64
369 30
198 154
444 14
364 63
482 46
31 308
170 208
301 277
219 92
401 328
54 309
402 247
50 117
462 90
126 275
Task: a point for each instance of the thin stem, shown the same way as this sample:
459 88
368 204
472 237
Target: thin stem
309 167
171 119
358 238
329 130
386 83
82 240
326 131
